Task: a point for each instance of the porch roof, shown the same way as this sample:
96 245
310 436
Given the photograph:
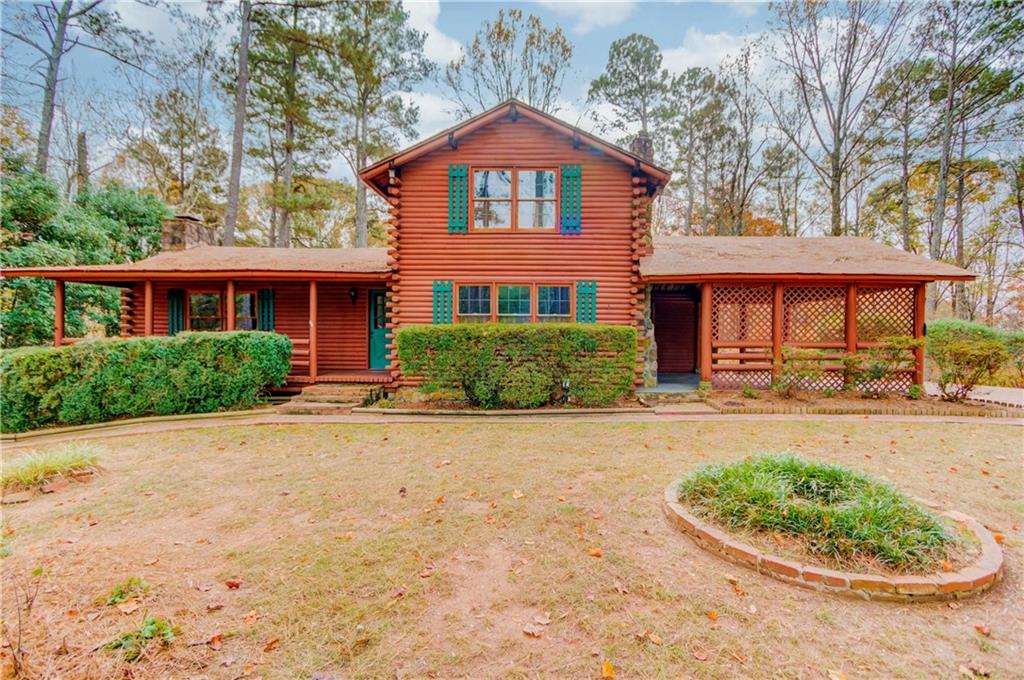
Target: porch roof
223 261
699 258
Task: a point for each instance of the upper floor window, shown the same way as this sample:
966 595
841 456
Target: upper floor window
514 198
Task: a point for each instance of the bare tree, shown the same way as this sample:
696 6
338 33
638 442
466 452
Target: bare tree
238 131
835 53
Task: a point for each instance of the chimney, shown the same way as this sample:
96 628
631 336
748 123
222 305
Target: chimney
182 232
643 146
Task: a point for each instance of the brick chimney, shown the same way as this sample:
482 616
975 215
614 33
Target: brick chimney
182 232
643 146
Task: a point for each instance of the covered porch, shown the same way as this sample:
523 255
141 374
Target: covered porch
332 305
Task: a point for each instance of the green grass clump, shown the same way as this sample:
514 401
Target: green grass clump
127 589
133 643
34 469
837 513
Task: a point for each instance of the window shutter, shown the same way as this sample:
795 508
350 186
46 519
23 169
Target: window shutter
175 311
458 198
570 203
586 301
265 309
442 302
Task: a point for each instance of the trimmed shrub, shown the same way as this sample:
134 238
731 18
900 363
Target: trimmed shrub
965 353
869 371
799 367
99 380
1014 341
522 365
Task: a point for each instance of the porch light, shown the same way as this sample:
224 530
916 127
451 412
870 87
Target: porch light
353 293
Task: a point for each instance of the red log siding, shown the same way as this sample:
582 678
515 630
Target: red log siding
343 338
602 252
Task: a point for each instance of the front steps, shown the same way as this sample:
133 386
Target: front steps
327 399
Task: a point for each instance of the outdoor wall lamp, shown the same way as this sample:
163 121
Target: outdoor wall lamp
353 293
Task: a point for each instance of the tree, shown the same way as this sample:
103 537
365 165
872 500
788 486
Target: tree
633 82
835 54
54 29
510 58
238 126
373 58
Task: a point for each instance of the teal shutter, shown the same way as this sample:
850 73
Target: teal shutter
442 302
265 309
458 199
175 311
586 301
571 189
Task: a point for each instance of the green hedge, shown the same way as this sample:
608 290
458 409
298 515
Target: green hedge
98 380
522 365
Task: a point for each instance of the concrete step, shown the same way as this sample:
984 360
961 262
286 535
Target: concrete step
333 393
314 408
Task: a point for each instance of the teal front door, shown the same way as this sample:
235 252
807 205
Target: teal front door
378 329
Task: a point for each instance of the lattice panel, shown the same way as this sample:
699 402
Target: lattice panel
899 382
741 313
735 380
827 380
884 312
814 314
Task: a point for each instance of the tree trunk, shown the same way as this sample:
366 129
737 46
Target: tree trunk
905 179
285 234
81 163
959 288
238 133
362 235
50 87
835 197
941 181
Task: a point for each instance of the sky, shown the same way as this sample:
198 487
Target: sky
689 34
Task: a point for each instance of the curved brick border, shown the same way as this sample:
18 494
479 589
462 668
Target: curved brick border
958 584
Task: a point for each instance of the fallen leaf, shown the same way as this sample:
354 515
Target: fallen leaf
752 609
984 630
836 675
233 583
621 588
427 573
440 500
251 616
731 579
952 468
579 530
713 615
596 515
517 494
216 641
271 645
214 606
150 563
700 656
533 630
128 606
443 463
595 552
402 492
947 565
999 537
607 669
654 638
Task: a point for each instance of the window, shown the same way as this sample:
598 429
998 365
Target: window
553 303
512 198
204 312
474 303
245 312
513 304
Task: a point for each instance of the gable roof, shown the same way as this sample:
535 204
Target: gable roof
704 257
373 174
220 260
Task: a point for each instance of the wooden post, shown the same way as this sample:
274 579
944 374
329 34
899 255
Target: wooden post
312 331
230 294
920 291
851 318
58 313
705 332
148 309
777 321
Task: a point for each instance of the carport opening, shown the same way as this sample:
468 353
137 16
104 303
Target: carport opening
676 316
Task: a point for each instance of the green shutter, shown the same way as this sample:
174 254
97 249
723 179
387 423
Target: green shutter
458 199
571 189
586 301
442 302
175 311
265 309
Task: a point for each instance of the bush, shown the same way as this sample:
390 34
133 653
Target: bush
869 371
963 364
520 365
98 380
1014 342
835 512
34 469
799 367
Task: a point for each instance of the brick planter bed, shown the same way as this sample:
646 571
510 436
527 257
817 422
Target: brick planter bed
913 588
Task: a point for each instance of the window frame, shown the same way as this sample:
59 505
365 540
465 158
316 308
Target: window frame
532 285
255 307
457 316
219 292
514 198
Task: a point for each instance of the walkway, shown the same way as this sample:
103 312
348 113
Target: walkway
1007 396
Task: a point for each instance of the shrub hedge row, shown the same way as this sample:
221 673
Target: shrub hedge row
967 353
520 365
99 380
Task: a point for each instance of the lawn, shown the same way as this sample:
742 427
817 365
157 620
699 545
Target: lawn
421 550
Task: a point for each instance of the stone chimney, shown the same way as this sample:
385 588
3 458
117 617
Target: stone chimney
643 146
182 232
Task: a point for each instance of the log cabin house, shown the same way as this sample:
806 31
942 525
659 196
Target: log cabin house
515 216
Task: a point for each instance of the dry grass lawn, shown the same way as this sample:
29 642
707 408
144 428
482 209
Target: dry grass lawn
421 550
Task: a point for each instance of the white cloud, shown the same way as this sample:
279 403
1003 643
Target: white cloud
589 15
742 8
700 49
439 47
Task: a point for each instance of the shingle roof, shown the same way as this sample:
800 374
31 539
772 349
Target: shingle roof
760 256
216 259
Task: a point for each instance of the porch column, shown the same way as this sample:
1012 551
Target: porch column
919 311
851 318
148 309
705 331
777 302
312 331
230 294
58 313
